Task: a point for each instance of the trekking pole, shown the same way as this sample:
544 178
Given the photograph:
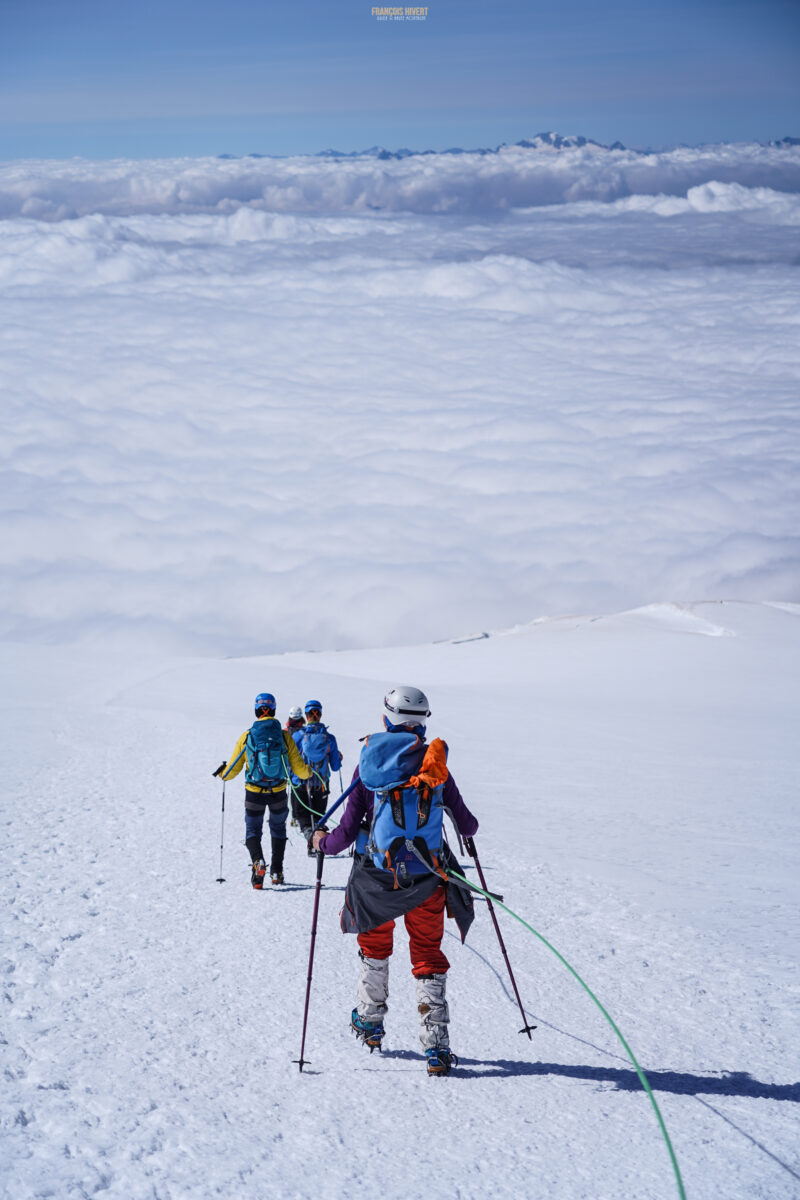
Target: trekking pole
341 784
219 770
301 1062
470 844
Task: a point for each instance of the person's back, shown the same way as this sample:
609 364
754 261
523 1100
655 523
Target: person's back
266 753
319 751
400 789
294 724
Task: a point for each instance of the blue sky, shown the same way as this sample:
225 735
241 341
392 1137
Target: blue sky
164 77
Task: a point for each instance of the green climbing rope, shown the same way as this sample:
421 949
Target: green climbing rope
608 1017
298 795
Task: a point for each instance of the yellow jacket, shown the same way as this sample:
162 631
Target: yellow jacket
239 758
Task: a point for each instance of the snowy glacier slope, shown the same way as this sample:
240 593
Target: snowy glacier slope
635 777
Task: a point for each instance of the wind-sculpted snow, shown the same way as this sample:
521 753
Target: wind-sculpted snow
259 430
469 183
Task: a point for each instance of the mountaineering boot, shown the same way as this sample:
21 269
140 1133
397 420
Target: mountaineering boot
434 1015
369 1032
257 874
441 1060
373 992
276 862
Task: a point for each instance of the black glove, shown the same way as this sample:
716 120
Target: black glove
469 846
219 770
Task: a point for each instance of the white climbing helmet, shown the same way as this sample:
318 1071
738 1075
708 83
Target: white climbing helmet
405 705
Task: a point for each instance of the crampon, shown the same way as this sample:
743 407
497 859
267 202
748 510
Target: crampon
368 1032
440 1060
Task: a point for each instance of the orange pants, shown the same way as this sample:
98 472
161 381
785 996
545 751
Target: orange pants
425 925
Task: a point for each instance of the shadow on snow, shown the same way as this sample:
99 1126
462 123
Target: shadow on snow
730 1083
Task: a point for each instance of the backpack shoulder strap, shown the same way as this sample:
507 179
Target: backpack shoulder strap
378 801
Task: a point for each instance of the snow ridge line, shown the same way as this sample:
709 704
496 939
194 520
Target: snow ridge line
603 1010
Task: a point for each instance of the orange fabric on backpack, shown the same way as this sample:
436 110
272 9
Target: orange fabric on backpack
434 766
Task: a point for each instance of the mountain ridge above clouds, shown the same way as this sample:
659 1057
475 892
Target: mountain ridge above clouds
540 141
547 140
540 172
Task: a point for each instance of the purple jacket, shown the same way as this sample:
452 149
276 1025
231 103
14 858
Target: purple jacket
359 808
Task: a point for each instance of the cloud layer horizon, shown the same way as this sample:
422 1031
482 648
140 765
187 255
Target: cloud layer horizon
471 182
240 424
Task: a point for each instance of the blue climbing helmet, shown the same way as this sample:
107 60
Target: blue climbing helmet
313 704
265 700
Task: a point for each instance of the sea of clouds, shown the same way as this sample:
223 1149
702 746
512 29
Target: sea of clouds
471 182
267 404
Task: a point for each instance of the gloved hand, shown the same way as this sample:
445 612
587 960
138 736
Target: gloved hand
219 770
469 846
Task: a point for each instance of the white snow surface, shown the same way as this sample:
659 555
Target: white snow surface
258 405
635 777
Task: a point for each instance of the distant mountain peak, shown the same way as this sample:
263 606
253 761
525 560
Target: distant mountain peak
546 141
541 141
558 141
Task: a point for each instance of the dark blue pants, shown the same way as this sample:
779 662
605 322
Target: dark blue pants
255 808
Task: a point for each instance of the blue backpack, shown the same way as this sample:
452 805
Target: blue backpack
266 754
315 748
407 820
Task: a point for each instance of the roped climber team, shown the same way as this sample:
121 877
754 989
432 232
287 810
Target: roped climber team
301 756
402 865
